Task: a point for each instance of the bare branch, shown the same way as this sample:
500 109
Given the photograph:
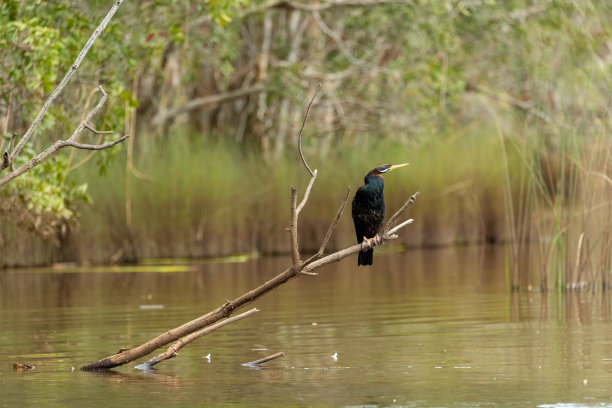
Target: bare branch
173 349
221 312
330 230
295 5
98 132
36 160
84 123
256 363
295 253
297 269
71 142
302 130
307 193
399 212
164 116
102 146
399 227
98 31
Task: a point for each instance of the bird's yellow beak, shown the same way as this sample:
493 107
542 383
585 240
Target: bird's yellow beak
397 166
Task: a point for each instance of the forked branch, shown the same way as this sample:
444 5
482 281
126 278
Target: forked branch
8 157
298 268
60 144
173 349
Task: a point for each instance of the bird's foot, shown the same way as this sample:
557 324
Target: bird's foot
369 243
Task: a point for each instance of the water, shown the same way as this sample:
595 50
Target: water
435 328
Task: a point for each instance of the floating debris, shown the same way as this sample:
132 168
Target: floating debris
23 367
256 363
150 307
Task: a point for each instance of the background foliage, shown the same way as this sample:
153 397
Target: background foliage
501 106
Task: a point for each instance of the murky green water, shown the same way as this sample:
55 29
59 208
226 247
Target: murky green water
421 329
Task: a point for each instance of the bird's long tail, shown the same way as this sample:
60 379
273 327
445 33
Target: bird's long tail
365 258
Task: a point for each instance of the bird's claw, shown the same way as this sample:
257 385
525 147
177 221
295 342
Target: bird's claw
369 243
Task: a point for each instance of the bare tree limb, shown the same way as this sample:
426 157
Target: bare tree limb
97 32
257 363
71 142
98 132
307 193
295 254
164 116
173 349
329 233
225 310
297 269
399 212
302 130
295 5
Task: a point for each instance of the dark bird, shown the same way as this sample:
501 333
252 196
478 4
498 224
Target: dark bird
369 209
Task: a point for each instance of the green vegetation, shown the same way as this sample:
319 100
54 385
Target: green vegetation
502 108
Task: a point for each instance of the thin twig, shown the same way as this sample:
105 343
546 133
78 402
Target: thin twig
98 132
295 253
264 360
302 130
71 142
330 231
85 122
98 31
399 212
86 146
173 349
307 193
397 228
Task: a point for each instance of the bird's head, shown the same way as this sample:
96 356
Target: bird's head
384 168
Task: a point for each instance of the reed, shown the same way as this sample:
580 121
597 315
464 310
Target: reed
203 199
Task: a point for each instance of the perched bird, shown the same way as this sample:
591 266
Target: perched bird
369 209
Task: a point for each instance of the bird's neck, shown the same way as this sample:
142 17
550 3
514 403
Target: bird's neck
374 184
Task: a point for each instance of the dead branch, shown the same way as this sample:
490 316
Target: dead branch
398 214
173 349
300 140
164 116
231 306
257 363
60 144
298 268
8 159
98 31
319 6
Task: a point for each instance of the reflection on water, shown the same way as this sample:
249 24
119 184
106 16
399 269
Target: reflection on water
420 328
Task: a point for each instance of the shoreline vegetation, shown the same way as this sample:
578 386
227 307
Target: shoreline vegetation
501 108
192 199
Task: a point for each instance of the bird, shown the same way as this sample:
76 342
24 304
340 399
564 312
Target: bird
368 209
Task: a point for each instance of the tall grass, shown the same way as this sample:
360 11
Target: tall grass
201 199
570 210
549 203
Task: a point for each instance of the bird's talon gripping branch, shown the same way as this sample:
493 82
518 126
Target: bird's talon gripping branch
369 243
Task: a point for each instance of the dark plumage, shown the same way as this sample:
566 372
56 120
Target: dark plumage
369 208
